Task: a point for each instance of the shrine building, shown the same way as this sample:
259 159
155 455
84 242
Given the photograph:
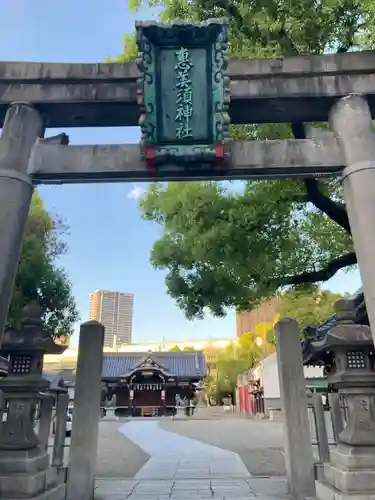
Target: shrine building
149 384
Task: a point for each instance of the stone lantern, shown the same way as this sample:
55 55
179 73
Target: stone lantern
347 351
20 450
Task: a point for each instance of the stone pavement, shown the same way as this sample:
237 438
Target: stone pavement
259 443
181 468
178 457
192 489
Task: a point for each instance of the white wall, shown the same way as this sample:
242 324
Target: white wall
269 377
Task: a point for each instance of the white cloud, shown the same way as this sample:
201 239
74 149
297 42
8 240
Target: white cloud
136 192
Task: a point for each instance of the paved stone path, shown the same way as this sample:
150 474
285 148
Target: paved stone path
179 457
192 489
181 468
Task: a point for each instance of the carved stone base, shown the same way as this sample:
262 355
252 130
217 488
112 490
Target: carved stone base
354 458
45 485
23 461
349 475
350 481
25 474
325 491
57 493
23 485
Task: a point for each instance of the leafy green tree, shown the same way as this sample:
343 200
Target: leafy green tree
229 365
130 50
174 349
308 305
249 350
210 389
237 358
38 278
221 247
188 348
250 244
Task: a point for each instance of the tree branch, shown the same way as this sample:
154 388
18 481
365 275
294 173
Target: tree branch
234 12
324 274
285 41
352 25
335 211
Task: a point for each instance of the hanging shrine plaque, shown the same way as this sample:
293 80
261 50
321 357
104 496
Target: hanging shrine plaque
183 92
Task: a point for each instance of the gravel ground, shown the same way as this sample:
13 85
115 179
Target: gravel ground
117 457
259 443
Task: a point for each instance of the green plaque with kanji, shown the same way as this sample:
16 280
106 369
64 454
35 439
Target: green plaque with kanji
183 92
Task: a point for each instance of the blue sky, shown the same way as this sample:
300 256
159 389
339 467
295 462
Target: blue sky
109 243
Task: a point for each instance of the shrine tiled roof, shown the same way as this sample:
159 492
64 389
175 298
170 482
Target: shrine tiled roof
184 364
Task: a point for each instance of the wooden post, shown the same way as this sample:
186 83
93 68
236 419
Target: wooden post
320 428
22 126
298 447
45 417
60 430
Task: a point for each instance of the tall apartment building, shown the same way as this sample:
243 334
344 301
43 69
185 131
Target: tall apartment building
115 311
265 313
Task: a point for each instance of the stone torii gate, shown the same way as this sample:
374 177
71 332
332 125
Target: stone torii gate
188 142
339 88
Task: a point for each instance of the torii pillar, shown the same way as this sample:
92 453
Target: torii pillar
22 126
350 119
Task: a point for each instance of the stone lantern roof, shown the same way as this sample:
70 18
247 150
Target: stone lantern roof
31 336
318 339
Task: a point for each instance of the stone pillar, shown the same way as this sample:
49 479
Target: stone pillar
22 126
336 415
320 428
351 121
298 447
60 430
45 418
86 413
